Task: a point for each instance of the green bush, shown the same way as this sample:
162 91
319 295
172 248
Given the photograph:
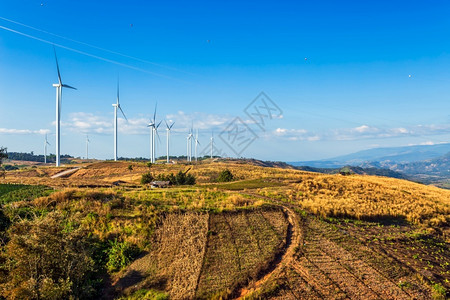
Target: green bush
146 178
180 179
164 177
46 261
225 176
120 254
184 179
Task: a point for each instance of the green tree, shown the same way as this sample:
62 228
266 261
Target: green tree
225 176
146 178
3 155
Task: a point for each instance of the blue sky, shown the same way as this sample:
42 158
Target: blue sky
376 73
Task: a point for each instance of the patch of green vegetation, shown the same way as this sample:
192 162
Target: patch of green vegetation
145 294
439 292
120 254
15 192
6 188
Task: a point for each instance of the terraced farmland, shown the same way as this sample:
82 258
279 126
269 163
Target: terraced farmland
209 255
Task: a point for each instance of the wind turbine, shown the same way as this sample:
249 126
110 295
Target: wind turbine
59 87
117 106
196 144
87 146
155 129
168 138
153 132
212 144
45 149
151 125
189 146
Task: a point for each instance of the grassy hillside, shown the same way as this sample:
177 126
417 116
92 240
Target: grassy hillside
270 233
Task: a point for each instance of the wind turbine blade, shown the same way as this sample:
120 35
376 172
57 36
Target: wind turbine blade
157 134
57 65
123 113
167 125
69 87
171 125
117 90
158 124
154 114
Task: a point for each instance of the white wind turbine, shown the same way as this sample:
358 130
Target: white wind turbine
45 149
59 87
212 144
168 138
117 106
153 133
87 146
196 144
189 146
155 130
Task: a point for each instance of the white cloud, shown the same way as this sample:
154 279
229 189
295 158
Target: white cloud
88 123
23 131
281 131
293 134
103 124
360 133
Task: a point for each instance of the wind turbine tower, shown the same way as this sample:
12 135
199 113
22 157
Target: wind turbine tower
117 106
59 87
168 138
153 133
87 147
212 144
189 145
45 149
196 144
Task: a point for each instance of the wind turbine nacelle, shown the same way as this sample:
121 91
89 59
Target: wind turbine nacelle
56 85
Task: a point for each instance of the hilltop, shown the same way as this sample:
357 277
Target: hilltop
272 232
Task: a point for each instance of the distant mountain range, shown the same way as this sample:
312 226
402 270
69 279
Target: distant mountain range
428 164
403 155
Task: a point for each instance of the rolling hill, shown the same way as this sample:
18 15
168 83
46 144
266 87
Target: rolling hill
271 233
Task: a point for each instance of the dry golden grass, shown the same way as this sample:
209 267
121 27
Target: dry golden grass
369 197
327 195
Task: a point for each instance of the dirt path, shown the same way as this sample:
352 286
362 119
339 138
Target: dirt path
293 239
65 173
